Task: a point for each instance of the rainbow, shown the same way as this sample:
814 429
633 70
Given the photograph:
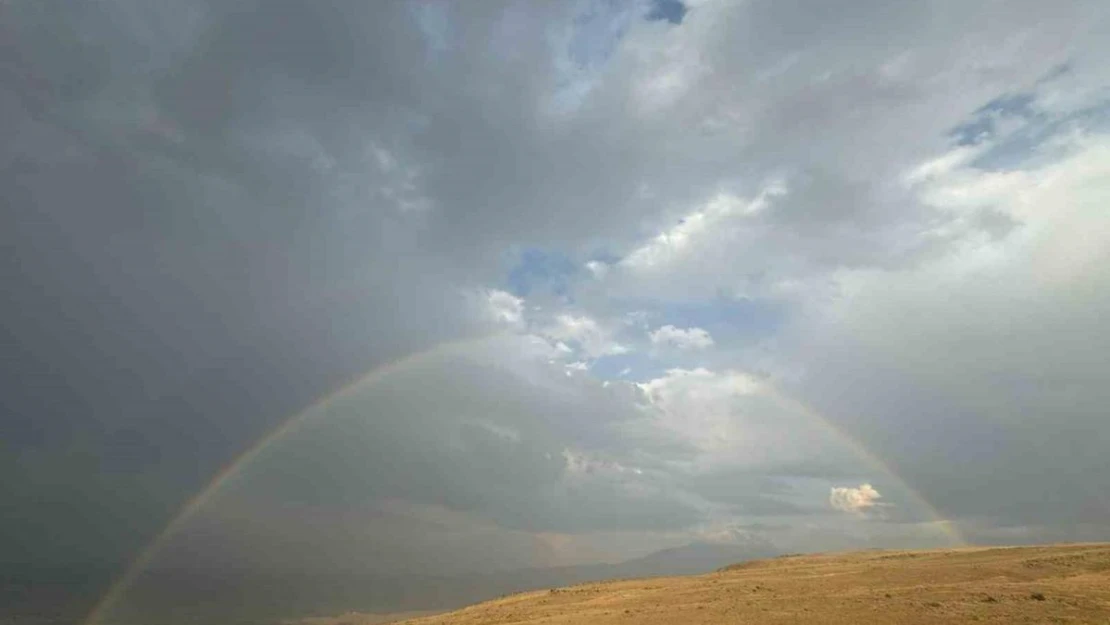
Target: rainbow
946 526
287 427
319 407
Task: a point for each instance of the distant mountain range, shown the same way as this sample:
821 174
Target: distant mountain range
257 598
699 557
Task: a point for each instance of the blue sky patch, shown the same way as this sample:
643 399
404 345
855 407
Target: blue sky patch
1015 127
632 366
727 319
670 10
984 122
535 270
1019 148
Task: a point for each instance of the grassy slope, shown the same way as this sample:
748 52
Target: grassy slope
1046 584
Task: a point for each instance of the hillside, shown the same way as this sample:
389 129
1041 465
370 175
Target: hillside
1043 584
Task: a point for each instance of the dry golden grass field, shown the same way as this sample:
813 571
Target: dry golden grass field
1045 584
359 618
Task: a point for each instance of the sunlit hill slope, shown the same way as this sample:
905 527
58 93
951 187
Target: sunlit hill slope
1043 584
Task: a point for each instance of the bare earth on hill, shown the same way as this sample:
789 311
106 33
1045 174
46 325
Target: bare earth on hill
359 618
1048 584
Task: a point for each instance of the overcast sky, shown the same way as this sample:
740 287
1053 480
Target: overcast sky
821 274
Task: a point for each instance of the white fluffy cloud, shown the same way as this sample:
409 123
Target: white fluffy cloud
681 338
858 499
696 231
591 338
732 419
697 405
505 307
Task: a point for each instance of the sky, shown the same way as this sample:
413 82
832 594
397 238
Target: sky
548 283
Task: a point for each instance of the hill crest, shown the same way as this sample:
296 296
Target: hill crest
1052 583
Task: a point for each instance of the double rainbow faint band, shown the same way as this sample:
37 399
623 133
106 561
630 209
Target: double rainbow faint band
319 407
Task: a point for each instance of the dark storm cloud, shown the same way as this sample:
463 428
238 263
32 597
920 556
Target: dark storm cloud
183 269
